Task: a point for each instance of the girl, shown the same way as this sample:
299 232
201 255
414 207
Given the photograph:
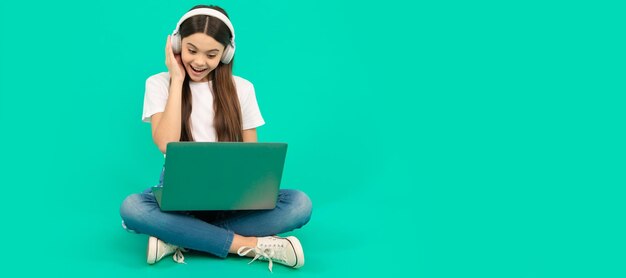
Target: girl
224 109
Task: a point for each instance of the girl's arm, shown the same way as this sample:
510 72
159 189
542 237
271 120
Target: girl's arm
166 125
249 135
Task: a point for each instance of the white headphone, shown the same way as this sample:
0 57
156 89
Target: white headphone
229 50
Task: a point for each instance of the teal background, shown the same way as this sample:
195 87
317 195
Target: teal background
436 139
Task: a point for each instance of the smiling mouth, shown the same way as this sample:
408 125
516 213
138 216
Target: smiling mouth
197 71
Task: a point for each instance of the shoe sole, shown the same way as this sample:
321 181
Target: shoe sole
152 241
297 247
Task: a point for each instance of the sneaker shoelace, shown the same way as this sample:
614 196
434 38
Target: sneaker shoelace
262 254
178 255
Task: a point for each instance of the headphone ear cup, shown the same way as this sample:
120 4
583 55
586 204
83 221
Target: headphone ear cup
228 54
175 41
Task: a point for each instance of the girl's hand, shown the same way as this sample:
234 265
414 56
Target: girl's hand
173 62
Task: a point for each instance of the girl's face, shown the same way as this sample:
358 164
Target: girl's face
200 55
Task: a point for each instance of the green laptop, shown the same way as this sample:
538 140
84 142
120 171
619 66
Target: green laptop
221 176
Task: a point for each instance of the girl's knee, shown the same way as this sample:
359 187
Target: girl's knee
300 206
132 206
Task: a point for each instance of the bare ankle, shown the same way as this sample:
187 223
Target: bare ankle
241 241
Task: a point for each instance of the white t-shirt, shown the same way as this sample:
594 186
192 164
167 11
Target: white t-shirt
202 113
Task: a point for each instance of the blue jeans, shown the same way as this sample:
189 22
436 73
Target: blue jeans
213 231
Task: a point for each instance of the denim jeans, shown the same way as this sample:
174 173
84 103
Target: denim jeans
213 231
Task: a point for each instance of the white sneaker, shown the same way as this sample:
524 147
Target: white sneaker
287 251
157 249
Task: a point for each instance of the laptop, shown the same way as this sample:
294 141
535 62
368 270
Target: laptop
221 176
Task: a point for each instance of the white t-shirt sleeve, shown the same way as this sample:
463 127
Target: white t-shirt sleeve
251 114
155 97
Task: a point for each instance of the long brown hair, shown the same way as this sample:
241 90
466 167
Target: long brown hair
228 119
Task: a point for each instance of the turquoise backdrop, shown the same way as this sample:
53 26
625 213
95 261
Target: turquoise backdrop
435 138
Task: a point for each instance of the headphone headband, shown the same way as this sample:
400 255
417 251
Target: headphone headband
210 12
